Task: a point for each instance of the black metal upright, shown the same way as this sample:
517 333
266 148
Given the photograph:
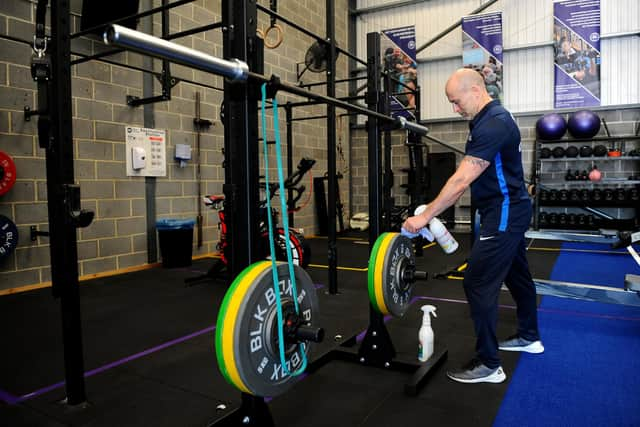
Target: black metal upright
377 329
373 138
242 167
62 197
331 149
241 135
387 176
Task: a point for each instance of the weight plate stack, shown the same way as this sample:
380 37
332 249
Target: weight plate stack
246 338
389 293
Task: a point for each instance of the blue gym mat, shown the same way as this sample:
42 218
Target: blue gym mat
589 374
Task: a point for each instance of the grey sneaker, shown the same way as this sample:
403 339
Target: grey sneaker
476 372
516 343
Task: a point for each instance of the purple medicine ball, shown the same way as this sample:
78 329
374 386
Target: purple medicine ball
551 126
583 124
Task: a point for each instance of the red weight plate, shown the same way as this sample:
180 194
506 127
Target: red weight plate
7 173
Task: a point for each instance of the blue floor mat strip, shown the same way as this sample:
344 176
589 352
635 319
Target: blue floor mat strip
589 374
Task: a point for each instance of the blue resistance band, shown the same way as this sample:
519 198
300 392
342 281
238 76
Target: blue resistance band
285 221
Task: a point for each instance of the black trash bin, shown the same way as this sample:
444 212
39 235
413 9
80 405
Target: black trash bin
176 241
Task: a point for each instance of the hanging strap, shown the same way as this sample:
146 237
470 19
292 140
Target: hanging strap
283 207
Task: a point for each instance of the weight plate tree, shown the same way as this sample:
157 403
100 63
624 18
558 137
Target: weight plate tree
246 333
390 289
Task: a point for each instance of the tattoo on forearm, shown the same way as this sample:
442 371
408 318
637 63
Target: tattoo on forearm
476 161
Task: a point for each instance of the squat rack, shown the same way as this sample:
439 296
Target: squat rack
241 176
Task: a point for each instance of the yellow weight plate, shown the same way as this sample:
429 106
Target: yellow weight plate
227 318
377 284
247 335
389 291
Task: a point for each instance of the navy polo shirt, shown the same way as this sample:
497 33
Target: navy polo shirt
499 192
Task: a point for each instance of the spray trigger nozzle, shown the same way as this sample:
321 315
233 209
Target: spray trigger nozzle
429 309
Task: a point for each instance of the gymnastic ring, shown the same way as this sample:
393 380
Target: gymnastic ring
264 34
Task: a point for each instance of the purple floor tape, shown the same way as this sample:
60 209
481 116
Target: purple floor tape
8 398
12 400
4 395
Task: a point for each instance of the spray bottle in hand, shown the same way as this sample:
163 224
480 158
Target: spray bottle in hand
439 232
425 335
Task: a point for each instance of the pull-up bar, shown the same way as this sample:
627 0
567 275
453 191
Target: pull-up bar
233 69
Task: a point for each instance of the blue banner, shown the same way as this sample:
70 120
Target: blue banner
482 49
398 46
576 35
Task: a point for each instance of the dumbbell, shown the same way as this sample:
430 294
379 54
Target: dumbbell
584 195
562 219
572 220
563 195
570 176
553 219
620 195
582 220
596 195
633 195
574 195
591 221
553 195
543 219
608 195
584 176
543 197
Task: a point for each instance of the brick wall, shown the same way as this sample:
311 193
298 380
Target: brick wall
117 238
620 122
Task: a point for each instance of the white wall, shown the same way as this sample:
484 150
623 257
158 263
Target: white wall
528 56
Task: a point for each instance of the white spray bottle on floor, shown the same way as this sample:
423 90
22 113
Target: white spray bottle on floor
425 334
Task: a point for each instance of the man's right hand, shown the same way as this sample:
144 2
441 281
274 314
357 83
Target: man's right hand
415 223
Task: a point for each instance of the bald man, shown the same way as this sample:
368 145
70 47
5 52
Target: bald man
492 167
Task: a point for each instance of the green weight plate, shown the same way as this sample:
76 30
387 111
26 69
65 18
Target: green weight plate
247 335
388 291
373 284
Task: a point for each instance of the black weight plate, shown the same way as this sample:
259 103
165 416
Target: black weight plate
247 329
8 236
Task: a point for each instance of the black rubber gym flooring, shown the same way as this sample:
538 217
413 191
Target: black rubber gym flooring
150 359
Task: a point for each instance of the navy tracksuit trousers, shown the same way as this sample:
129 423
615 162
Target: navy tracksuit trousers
497 258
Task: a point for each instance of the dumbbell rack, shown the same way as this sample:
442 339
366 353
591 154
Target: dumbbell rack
609 203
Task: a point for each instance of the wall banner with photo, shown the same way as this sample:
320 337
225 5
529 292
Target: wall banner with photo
576 35
482 49
398 48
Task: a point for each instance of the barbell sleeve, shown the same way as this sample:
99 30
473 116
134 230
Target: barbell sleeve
412 126
307 333
137 41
